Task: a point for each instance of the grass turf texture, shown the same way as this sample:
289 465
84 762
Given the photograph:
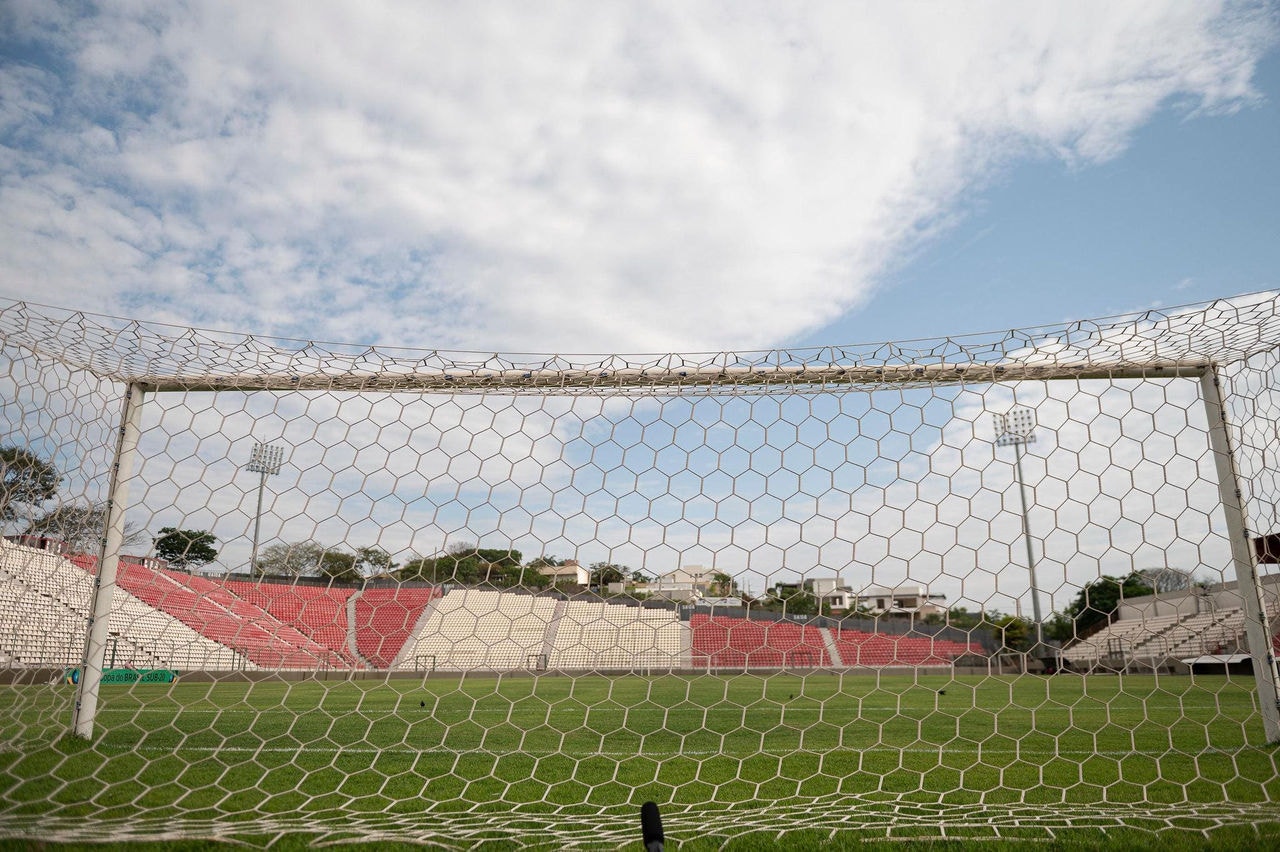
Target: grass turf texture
739 762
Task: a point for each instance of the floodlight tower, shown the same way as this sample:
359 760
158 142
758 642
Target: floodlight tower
1017 428
265 460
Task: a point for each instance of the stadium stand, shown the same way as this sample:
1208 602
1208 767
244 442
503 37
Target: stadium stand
859 648
187 621
598 635
1196 634
726 642
38 629
1139 639
481 629
216 613
1123 639
44 607
318 611
385 619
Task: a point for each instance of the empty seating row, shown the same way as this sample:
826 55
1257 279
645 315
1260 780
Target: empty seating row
44 607
725 642
858 648
386 618
482 629
320 612
284 625
597 635
1120 637
212 611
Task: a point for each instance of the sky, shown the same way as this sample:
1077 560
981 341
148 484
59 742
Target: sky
636 177
1185 213
647 178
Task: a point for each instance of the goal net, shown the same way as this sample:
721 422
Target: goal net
1010 585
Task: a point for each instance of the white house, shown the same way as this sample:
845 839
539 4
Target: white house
686 583
901 600
830 590
569 572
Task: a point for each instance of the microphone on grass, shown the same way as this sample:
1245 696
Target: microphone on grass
651 827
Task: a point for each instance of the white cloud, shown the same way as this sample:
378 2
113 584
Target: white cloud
573 177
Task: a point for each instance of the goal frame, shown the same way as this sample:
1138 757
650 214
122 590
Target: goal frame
1257 625
1195 342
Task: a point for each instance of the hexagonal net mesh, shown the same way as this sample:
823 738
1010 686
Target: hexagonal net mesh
992 586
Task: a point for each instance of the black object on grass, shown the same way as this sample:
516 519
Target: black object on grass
651 827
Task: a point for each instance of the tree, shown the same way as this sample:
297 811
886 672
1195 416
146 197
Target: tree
956 616
498 558
723 584
532 576
604 573
1163 580
1014 633
26 481
81 526
420 569
794 600
338 566
466 564
373 560
470 564
1095 604
313 559
186 548
460 564
290 559
1060 626
517 576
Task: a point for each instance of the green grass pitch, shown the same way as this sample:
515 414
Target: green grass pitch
818 761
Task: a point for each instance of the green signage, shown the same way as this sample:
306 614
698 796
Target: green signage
128 676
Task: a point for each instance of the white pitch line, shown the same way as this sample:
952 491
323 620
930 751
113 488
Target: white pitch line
939 750
787 710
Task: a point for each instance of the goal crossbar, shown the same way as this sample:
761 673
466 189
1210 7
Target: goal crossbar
1170 343
793 379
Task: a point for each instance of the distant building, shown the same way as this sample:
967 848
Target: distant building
568 573
901 600
686 583
831 591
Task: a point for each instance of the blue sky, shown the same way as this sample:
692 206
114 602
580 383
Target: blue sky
1188 212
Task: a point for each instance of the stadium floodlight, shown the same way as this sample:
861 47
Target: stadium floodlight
265 460
1016 429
